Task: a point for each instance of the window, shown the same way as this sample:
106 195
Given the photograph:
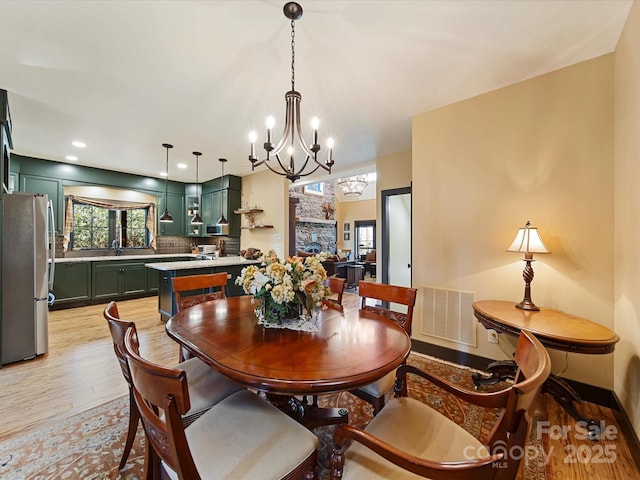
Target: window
98 227
365 238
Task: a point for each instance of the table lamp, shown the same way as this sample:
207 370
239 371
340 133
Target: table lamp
528 242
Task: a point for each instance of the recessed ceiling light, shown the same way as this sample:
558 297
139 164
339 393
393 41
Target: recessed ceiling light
79 144
71 158
182 165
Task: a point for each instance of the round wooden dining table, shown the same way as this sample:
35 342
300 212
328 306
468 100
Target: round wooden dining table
348 351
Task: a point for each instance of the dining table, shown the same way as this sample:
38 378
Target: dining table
350 349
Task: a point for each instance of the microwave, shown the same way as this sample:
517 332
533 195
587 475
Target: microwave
217 229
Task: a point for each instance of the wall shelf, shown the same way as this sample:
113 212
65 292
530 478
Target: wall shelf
249 213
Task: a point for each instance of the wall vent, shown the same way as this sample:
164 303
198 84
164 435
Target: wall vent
448 314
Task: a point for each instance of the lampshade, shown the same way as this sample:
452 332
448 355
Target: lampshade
528 241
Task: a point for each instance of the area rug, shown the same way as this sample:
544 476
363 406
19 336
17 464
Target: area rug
89 445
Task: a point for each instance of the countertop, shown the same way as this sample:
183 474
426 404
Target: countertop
104 258
188 265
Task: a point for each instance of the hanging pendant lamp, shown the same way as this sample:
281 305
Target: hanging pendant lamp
222 220
197 220
166 216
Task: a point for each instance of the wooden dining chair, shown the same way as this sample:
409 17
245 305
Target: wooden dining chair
374 393
409 438
336 286
207 386
242 436
191 290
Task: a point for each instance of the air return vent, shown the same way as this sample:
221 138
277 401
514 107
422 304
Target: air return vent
448 314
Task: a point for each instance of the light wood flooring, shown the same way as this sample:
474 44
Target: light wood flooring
80 372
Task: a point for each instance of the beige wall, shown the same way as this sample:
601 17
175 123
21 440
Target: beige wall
540 150
271 193
627 216
349 212
393 171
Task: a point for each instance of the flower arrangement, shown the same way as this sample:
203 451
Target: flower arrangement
328 209
285 289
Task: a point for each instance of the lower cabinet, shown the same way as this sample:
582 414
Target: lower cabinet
72 283
118 280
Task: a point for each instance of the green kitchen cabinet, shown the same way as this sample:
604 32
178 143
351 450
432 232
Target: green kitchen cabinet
72 283
176 209
222 201
50 186
118 279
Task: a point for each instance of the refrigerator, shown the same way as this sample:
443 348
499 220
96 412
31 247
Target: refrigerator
28 265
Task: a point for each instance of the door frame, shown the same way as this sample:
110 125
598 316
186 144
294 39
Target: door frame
384 197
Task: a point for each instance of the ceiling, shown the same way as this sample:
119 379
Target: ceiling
127 76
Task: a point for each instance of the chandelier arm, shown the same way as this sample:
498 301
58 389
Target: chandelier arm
288 124
310 171
325 167
306 149
301 169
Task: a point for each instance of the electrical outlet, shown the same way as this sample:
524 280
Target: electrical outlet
492 336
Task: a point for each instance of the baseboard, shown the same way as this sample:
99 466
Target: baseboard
628 431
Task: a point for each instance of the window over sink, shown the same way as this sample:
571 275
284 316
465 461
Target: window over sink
98 227
101 218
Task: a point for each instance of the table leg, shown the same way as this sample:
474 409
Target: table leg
308 413
560 390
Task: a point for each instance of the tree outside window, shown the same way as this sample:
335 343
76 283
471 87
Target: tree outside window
98 228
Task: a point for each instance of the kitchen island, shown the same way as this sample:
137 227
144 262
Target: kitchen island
167 270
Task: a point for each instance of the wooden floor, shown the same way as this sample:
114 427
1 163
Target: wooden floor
80 372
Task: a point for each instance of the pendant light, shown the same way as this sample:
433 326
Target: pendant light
166 216
197 220
222 220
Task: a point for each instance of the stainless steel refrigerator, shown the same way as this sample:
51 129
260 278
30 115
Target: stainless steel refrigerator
28 265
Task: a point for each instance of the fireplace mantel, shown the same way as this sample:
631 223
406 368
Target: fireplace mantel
315 220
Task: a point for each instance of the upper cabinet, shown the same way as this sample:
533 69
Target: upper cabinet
222 196
5 143
52 187
176 209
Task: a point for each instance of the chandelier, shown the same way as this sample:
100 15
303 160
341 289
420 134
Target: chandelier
353 186
292 129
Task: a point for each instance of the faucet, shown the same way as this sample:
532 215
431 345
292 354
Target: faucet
115 245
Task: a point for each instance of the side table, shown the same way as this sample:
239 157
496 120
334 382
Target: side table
355 273
554 329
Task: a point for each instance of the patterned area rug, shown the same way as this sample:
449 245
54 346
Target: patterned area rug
89 445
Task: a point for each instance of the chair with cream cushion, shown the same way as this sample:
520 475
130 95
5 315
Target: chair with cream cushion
206 386
242 436
374 392
409 440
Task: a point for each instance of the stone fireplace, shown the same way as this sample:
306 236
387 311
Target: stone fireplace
312 226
